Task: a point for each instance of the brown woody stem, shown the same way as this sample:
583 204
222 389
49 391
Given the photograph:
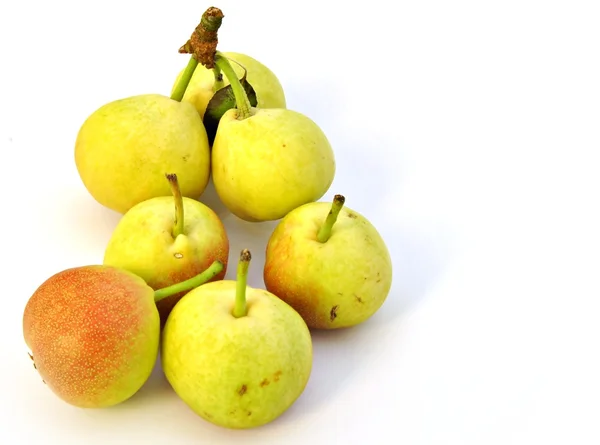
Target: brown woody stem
203 42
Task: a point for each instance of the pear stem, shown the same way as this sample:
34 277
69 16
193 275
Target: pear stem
218 79
178 228
325 230
202 44
184 80
241 98
239 310
213 270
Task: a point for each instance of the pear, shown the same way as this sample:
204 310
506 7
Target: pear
203 85
266 162
329 263
123 148
238 356
93 332
166 240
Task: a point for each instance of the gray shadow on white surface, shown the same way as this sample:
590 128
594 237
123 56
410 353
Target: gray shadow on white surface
365 174
317 100
210 198
252 236
242 235
95 223
418 264
337 356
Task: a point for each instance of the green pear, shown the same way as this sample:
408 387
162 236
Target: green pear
123 148
166 240
93 332
238 356
329 263
202 87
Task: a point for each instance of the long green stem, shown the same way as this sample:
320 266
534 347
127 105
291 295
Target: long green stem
213 270
325 230
184 80
239 310
241 98
178 228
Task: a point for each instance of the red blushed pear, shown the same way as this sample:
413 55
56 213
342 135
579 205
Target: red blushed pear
94 332
329 263
168 239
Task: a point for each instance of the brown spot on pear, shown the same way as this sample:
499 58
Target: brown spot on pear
158 254
94 334
336 272
333 313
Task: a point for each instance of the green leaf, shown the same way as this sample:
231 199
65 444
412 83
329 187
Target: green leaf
224 100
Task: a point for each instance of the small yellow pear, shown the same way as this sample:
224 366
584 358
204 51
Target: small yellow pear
329 263
166 240
123 149
238 356
269 163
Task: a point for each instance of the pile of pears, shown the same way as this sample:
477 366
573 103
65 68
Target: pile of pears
238 356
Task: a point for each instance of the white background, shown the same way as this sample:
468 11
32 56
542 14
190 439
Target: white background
466 131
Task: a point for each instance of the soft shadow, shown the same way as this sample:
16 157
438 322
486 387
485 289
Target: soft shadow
95 221
211 199
364 174
419 260
242 235
252 236
321 105
337 356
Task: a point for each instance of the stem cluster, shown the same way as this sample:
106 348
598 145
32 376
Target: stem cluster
202 45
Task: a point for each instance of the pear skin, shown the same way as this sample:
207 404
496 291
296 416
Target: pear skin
123 149
339 283
143 243
236 372
268 164
201 89
93 332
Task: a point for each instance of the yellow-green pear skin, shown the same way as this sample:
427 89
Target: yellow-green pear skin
268 164
236 372
336 284
124 148
143 244
268 89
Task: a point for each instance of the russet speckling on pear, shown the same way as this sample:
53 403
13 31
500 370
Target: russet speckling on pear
94 332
